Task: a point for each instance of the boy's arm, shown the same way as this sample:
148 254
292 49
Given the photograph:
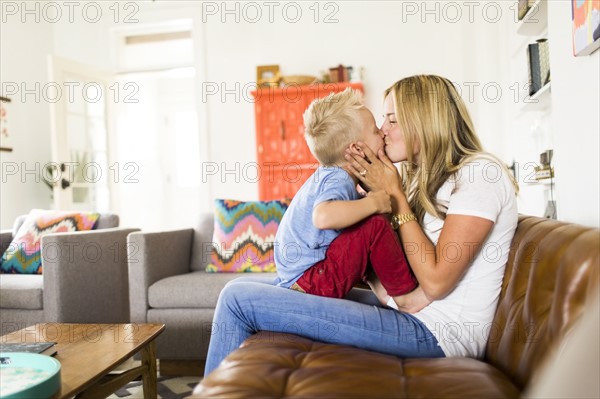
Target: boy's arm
341 214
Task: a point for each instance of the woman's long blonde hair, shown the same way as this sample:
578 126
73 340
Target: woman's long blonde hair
430 111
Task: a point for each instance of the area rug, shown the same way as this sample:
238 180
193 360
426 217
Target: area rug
167 388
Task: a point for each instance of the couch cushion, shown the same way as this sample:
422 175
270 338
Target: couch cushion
24 254
191 290
244 235
274 365
20 291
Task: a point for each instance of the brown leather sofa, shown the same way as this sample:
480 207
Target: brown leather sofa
551 280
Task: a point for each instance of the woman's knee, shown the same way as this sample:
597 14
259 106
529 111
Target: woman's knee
252 279
237 280
240 292
229 295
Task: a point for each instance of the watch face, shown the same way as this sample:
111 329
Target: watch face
395 222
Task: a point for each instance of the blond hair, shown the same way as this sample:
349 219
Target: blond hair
331 124
430 111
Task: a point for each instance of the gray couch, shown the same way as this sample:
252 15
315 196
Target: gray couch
168 284
79 285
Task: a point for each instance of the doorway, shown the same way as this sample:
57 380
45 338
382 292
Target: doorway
157 135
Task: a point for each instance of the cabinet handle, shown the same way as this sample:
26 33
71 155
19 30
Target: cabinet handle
282 130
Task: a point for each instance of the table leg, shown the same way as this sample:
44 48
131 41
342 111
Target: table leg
149 377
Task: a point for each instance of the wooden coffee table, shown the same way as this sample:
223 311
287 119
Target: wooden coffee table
88 352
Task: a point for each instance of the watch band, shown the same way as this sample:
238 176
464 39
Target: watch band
399 219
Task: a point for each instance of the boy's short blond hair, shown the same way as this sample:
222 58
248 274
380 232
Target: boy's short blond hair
331 124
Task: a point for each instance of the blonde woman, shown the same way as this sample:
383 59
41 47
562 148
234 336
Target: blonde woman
455 207
455 212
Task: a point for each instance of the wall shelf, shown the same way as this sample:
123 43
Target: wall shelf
540 101
544 186
532 114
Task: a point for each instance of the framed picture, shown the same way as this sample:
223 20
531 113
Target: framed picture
586 26
4 133
267 75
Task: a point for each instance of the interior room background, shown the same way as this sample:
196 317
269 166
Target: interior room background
191 136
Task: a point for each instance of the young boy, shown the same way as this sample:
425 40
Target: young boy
330 235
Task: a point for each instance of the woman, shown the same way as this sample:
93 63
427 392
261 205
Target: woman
455 212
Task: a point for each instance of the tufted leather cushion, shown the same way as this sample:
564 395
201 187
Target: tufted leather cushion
274 365
551 275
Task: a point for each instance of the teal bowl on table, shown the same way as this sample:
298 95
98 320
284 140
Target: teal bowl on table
28 376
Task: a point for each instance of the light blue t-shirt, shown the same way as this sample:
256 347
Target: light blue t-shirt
298 243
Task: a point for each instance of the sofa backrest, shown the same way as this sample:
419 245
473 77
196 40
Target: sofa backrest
551 276
105 221
202 245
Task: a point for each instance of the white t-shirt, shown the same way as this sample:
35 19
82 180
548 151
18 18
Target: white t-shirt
462 321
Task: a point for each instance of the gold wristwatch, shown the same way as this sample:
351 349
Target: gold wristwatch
399 219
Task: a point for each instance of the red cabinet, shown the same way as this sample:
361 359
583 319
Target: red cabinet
283 157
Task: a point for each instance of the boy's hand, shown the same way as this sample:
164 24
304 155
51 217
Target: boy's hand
381 201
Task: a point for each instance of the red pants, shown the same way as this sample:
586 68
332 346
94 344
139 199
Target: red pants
371 242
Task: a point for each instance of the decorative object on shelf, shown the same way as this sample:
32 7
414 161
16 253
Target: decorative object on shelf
298 80
535 20
535 78
4 133
524 7
267 76
586 26
544 50
340 73
545 170
325 78
538 54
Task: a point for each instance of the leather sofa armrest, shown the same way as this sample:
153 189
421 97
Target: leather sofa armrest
153 257
85 276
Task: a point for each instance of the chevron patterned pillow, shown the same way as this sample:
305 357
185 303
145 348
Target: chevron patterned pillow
23 255
244 235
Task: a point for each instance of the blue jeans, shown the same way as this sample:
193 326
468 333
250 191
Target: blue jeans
251 304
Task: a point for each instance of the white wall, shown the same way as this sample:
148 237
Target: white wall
23 61
388 39
369 34
576 126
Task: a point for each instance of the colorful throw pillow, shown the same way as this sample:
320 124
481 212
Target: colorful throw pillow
23 255
244 235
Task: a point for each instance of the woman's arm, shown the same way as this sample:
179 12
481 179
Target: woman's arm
437 268
341 214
